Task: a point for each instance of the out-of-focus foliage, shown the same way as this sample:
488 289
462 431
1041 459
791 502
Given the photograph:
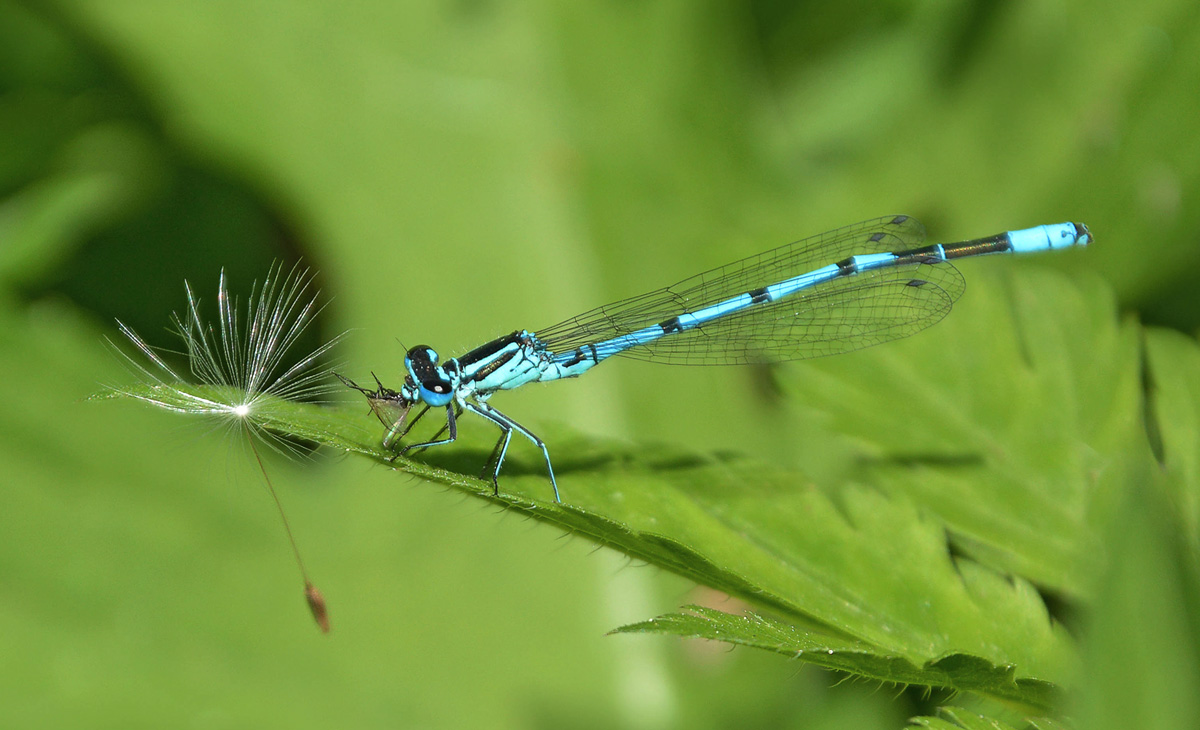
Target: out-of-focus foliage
457 170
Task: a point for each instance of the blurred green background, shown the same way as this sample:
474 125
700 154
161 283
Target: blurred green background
455 171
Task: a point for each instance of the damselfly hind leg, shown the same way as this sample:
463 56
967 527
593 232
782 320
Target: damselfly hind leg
507 424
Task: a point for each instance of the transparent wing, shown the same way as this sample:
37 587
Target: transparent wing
838 316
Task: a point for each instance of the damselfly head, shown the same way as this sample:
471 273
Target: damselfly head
433 383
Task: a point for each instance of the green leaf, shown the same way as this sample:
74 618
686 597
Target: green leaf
859 578
836 652
870 570
1018 428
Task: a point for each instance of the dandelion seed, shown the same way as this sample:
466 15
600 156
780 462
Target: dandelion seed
240 367
242 364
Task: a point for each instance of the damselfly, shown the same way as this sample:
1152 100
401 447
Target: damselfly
844 290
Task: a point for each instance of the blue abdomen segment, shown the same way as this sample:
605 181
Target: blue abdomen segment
1049 238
